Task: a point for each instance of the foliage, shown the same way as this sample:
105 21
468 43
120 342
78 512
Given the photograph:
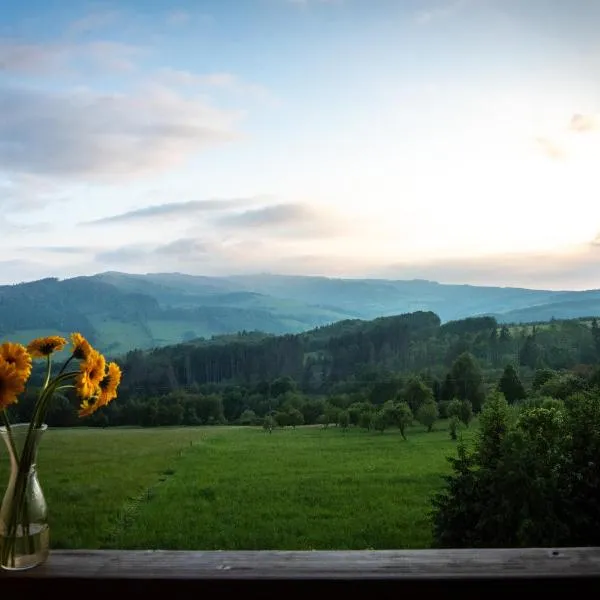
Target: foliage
510 385
269 423
453 427
529 482
403 417
344 419
427 415
468 380
380 421
416 393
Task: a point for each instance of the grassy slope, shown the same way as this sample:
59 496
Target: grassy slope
241 488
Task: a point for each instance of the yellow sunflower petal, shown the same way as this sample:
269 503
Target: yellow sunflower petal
81 347
45 346
17 355
11 384
91 373
109 384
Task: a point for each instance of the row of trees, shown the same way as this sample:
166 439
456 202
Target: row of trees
368 402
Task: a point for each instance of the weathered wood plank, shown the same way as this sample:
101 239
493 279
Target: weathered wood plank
317 565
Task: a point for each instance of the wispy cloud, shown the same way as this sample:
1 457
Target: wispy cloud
223 81
90 134
172 210
48 58
288 220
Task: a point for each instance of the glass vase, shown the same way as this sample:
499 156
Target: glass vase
24 532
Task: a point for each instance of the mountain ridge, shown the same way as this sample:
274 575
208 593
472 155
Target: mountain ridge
120 311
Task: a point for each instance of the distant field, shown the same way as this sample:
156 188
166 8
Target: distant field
240 488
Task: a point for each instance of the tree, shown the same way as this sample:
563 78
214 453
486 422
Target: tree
403 417
510 385
468 379
453 427
530 354
295 417
344 419
332 414
380 421
427 415
596 336
268 423
282 418
494 423
453 409
448 391
248 417
541 376
365 419
465 413
416 393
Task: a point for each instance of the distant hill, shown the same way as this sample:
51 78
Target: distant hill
120 311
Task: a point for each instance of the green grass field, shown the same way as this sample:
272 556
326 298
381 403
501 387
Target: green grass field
240 488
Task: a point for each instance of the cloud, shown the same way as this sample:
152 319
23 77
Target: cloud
439 12
189 247
49 58
298 220
171 210
582 123
574 269
31 58
224 81
86 134
178 17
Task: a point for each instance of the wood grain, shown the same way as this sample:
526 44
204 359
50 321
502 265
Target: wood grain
317 565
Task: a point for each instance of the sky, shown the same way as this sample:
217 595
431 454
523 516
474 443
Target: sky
452 140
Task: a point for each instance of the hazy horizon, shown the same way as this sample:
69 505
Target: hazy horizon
448 140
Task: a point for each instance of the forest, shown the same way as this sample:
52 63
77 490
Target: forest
339 371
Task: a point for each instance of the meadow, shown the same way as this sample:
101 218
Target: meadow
234 488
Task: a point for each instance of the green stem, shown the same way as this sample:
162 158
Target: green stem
48 371
66 364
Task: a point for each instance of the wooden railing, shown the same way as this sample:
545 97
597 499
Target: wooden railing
159 572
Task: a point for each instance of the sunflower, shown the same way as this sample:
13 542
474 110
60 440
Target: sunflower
108 385
45 346
88 406
11 384
81 347
17 355
87 382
